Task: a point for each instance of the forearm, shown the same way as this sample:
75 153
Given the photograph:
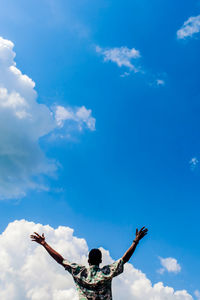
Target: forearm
130 252
53 253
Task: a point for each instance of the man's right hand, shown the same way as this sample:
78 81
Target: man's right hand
40 239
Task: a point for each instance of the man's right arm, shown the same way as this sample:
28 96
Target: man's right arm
40 239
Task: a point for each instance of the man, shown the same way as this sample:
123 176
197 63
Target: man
93 282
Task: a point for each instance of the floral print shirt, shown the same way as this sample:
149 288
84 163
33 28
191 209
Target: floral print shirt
93 282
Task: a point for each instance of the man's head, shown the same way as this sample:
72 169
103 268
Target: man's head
94 257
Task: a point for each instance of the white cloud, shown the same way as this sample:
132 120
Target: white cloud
157 82
160 82
23 121
197 294
193 163
125 74
189 28
169 264
29 273
81 116
122 56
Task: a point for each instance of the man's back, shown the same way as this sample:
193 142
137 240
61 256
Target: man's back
94 282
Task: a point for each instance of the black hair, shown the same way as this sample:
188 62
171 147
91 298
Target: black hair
94 257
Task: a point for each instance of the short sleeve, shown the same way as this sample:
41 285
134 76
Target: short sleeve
115 268
72 268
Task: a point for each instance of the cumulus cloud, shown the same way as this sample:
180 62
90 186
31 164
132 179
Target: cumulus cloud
169 264
29 273
121 56
189 28
23 122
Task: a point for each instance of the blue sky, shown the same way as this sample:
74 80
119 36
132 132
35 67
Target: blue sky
135 168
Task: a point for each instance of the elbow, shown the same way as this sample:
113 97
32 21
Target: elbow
60 260
125 259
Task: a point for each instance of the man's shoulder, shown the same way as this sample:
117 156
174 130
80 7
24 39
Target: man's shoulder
114 263
113 267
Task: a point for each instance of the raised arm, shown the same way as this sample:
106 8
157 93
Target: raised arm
40 239
138 236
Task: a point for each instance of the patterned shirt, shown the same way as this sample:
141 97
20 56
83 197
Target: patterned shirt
94 283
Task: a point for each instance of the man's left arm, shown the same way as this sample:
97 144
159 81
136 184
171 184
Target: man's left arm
139 235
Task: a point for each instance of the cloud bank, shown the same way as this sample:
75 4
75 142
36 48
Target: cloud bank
189 28
29 273
23 122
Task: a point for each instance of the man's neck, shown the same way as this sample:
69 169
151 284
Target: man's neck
94 265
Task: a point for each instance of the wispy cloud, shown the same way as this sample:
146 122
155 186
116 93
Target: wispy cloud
128 60
189 28
160 82
170 265
80 116
197 294
125 74
193 163
157 81
121 56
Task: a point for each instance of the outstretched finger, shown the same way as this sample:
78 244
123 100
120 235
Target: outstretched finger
37 234
143 234
34 240
33 236
142 229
